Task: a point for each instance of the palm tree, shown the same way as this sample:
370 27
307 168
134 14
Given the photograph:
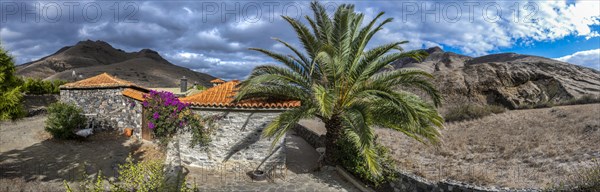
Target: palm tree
348 87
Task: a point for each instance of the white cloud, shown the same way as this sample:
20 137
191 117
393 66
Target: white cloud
188 10
475 34
186 57
589 58
211 35
6 33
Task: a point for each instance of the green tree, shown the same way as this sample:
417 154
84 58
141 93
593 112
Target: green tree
349 87
10 90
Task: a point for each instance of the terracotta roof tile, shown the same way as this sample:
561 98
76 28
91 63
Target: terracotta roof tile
103 80
222 96
217 81
134 94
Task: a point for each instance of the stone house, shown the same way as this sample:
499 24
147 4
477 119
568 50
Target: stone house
112 103
238 125
237 139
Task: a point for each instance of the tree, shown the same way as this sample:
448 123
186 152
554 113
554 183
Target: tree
350 88
10 90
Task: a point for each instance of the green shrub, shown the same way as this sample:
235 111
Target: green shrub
354 162
200 87
38 86
143 176
10 90
11 106
471 111
63 119
584 180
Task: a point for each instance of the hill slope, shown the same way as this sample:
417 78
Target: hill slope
507 79
89 58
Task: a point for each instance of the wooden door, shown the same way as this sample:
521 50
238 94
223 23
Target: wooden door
146 132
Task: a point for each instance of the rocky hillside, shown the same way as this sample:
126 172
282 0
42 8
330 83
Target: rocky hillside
89 58
507 79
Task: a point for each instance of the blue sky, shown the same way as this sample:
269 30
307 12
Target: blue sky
213 36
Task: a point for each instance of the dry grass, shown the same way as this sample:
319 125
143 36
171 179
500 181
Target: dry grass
521 148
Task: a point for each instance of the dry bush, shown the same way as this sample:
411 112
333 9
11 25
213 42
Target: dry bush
471 111
519 148
585 99
586 179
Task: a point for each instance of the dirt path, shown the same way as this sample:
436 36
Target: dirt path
22 133
28 155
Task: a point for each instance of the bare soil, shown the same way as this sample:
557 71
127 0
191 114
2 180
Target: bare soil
31 160
521 148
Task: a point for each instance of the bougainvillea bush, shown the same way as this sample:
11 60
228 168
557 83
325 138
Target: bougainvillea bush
166 115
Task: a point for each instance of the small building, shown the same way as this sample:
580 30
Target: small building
237 140
111 103
217 81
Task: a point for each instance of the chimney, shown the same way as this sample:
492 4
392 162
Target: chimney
183 84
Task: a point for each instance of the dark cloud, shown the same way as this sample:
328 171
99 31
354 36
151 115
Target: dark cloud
214 37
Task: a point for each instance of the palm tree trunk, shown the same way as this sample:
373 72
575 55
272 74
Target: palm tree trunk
332 138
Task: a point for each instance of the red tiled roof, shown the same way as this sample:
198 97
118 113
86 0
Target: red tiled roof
134 94
217 81
222 96
103 80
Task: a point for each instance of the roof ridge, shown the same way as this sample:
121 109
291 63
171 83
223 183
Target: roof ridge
103 80
114 78
223 95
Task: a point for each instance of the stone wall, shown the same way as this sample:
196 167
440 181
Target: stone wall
113 110
236 143
313 138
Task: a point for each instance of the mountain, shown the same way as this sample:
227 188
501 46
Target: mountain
89 58
507 79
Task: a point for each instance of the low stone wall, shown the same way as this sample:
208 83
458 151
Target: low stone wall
410 182
114 111
236 143
311 137
407 181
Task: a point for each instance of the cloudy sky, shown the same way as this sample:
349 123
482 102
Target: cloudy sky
214 36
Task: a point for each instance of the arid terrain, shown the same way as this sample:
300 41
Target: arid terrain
519 148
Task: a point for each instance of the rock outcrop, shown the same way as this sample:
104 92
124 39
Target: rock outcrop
507 79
